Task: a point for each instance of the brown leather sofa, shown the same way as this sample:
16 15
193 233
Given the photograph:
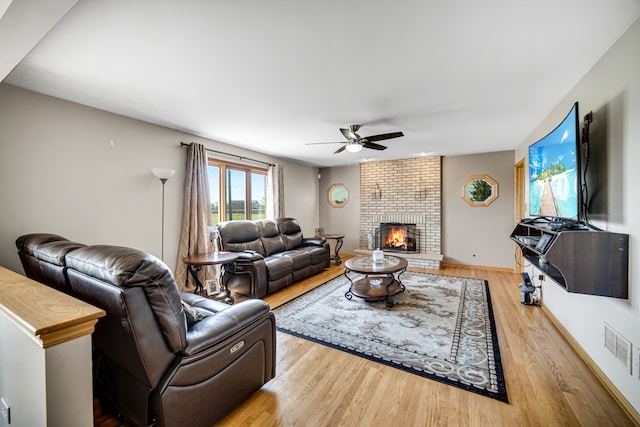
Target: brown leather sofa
273 254
162 357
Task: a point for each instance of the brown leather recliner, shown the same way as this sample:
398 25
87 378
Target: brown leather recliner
161 356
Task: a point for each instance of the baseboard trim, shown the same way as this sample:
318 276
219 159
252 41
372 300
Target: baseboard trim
450 264
615 393
454 265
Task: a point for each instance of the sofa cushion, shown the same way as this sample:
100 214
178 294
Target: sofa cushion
251 246
54 252
46 247
28 243
283 282
239 236
291 232
278 266
270 236
318 254
300 258
193 314
303 273
43 258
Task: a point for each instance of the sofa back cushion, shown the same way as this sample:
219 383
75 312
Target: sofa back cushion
131 268
270 235
29 243
291 232
239 236
43 258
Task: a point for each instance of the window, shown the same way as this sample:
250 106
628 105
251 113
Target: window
237 191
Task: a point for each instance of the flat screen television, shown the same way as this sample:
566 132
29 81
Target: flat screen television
554 171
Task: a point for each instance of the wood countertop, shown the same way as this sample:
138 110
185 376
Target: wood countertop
49 316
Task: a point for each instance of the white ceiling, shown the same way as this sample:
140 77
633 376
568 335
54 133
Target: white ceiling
456 76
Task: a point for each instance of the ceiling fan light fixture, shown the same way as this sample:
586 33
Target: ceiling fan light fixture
355 143
353 147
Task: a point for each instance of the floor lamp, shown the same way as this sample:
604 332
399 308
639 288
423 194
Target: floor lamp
163 174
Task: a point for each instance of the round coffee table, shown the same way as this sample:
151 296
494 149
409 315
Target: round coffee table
381 280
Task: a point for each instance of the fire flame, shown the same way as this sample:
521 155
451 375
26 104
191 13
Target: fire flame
396 238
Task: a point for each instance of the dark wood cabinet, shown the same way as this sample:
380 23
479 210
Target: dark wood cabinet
577 256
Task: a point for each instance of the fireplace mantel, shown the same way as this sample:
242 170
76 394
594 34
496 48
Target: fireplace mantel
408 256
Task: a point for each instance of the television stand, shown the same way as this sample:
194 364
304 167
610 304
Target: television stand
578 256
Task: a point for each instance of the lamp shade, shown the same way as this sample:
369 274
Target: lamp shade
163 173
353 147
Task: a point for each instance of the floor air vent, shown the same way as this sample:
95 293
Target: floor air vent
618 345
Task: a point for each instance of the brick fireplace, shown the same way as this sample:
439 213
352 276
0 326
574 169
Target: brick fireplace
406 191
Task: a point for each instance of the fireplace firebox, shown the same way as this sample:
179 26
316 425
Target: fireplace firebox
398 237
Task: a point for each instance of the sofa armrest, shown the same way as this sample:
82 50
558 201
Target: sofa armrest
249 276
200 302
214 329
248 256
313 241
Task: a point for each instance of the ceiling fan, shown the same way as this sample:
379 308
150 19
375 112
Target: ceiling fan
355 142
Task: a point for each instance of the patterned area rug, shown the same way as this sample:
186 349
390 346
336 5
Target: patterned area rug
441 327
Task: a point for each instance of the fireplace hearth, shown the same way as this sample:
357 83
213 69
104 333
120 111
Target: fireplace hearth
398 237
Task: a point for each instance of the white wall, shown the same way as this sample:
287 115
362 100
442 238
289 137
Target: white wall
346 219
301 196
60 174
611 89
478 235
467 231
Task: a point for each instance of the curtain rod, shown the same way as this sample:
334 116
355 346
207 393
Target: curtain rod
184 144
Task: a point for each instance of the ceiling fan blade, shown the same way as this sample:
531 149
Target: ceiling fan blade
373 146
368 142
384 136
349 134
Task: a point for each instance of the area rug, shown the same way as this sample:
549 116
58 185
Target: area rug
441 327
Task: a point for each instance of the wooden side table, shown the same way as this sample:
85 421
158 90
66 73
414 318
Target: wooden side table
226 260
339 240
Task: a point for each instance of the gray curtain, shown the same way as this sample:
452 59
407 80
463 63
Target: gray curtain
196 215
275 192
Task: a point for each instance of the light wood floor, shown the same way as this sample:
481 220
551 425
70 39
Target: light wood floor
547 382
